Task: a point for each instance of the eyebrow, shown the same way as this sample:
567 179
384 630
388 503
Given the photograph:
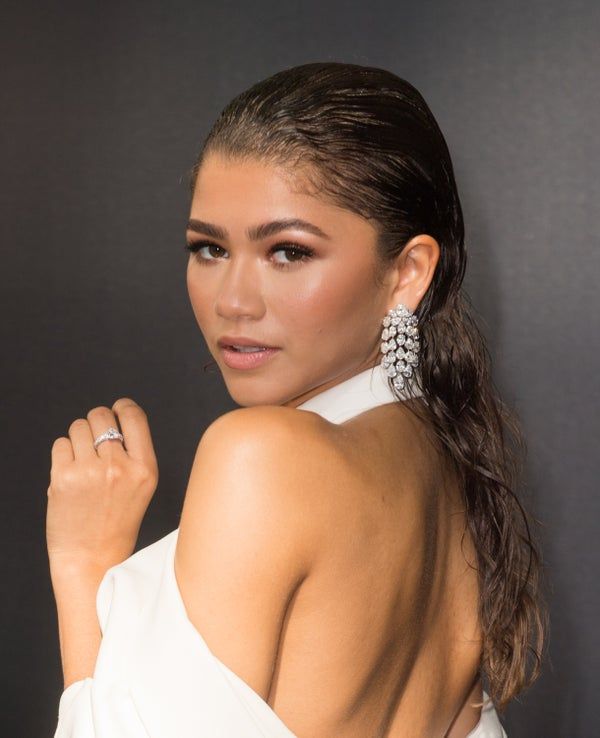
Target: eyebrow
255 233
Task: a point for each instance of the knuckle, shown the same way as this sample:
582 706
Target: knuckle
114 474
125 403
146 476
143 475
96 410
91 473
77 422
64 479
122 401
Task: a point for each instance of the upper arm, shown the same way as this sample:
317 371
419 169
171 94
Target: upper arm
246 538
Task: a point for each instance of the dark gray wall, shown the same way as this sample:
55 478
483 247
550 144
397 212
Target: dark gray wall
103 107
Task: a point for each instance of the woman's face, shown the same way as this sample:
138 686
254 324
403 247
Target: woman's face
322 311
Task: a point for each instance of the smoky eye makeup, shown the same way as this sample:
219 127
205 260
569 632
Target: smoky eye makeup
299 252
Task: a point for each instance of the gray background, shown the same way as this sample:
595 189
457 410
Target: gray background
103 108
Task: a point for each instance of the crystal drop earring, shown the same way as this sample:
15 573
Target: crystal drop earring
400 344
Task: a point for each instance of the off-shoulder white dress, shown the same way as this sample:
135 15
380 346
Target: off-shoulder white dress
155 677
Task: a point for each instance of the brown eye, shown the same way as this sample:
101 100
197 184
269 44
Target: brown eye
300 253
197 246
296 253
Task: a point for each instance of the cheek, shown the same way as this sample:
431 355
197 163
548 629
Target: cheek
337 304
198 294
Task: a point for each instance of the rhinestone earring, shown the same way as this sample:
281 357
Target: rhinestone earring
400 344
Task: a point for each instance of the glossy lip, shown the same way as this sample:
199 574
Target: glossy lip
226 341
246 360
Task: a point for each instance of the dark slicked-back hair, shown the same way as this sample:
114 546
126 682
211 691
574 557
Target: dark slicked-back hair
365 140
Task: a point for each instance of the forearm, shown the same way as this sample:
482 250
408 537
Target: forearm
79 633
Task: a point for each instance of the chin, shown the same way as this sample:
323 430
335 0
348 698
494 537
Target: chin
249 389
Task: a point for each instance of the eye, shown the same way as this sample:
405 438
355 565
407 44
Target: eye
195 247
296 250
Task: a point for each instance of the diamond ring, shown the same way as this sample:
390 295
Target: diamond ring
109 435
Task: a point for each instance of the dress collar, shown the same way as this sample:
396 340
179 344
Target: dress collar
358 393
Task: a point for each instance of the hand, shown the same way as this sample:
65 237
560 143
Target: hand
97 498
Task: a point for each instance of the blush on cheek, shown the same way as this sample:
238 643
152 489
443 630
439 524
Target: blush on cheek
339 301
317 322
339 317
311 311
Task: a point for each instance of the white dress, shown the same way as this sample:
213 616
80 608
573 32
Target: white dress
155 677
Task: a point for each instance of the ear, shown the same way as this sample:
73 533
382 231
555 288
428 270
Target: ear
413 272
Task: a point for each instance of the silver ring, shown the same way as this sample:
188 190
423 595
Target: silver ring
109 435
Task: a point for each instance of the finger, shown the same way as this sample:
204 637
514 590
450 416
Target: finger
82 442
61 452
135 428
100 420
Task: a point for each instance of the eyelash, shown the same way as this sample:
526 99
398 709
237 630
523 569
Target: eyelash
306 253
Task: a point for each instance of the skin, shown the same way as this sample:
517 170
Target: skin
336 587
323 309
309 513
97 498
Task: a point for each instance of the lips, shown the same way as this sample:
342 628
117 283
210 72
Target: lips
246 349
252 359
234 341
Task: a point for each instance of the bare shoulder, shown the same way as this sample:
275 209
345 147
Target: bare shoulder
249 534
277 439
273 465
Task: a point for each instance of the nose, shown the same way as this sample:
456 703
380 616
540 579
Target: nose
239 293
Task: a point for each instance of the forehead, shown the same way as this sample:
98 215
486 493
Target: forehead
217 169
242 192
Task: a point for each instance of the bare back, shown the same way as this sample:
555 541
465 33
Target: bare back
382 639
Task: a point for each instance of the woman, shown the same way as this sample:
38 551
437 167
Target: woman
356 569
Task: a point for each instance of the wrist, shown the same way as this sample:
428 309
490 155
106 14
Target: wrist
70 568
